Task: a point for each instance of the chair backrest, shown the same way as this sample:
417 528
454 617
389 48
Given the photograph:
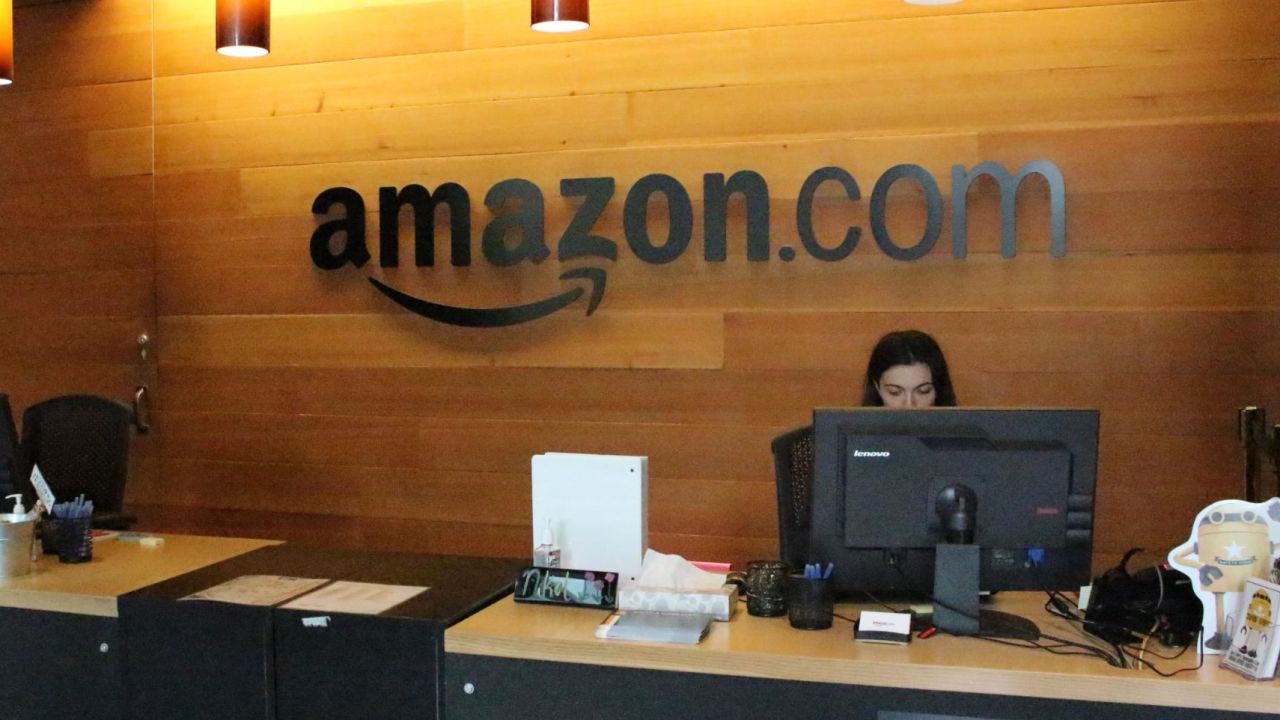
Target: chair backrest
10 454
793 471
81 443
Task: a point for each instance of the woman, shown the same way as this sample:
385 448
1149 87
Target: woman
907 370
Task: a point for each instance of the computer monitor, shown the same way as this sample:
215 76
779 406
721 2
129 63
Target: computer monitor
943 501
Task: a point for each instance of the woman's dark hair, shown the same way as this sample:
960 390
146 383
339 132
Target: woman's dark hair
908 347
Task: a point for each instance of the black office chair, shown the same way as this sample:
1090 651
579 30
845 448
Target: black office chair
81 444
11 479
793 471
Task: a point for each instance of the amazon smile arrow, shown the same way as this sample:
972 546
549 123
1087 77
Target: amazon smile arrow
500 316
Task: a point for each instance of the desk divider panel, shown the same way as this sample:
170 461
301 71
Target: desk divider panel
202 659
65 666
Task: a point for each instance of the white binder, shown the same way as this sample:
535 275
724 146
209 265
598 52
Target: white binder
598 506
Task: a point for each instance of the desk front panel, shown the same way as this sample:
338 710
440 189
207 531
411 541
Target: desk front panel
59 666
356 666
490 688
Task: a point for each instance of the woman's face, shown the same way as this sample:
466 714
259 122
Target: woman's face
907 386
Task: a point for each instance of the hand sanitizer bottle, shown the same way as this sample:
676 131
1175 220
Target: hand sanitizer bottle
547 553
18 509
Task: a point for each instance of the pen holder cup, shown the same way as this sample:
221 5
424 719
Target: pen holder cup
766 588
75 540
810 603
49 534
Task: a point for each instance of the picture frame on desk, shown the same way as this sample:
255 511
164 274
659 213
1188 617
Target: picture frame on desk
569 587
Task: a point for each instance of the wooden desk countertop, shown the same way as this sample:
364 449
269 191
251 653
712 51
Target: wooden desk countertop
769 648
118 567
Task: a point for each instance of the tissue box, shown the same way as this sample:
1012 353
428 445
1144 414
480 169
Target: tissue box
719 604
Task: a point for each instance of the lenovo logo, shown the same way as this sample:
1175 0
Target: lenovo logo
871 453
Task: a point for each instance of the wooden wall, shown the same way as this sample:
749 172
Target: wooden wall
299 403
77 283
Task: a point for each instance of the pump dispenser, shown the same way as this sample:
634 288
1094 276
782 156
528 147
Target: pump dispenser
547 553
18 508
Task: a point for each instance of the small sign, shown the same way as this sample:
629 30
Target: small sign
1254 646
893 628
42 488
355 597
561 586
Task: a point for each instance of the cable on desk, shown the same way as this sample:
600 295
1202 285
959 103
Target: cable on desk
882 603
1060 648
1058 604
1057 649
1199 664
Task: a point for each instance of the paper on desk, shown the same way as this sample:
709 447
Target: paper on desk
659 570
258 589
355 597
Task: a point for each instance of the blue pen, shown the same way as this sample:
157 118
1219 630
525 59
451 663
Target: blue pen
827 574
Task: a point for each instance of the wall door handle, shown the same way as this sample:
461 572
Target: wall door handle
142 409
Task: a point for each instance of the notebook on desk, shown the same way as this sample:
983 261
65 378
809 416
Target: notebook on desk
685 628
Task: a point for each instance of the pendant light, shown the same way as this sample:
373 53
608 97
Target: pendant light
244 28
6 42
560 15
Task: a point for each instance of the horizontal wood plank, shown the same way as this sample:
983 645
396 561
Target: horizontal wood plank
34 248
513 126
665 340
30 379
82 107
1158 341
92 294
80 200
1029 98
867 281
78 340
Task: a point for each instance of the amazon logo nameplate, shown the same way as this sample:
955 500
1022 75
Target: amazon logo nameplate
516 233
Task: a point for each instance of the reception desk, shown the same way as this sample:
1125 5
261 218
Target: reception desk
522 660
61 646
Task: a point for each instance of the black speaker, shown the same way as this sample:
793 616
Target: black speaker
10 454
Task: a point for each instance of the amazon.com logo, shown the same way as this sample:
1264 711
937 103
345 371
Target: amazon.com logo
517 231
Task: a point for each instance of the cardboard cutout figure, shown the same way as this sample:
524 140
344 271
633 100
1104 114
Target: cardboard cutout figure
1231 542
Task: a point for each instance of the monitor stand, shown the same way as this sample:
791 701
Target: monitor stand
955 598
